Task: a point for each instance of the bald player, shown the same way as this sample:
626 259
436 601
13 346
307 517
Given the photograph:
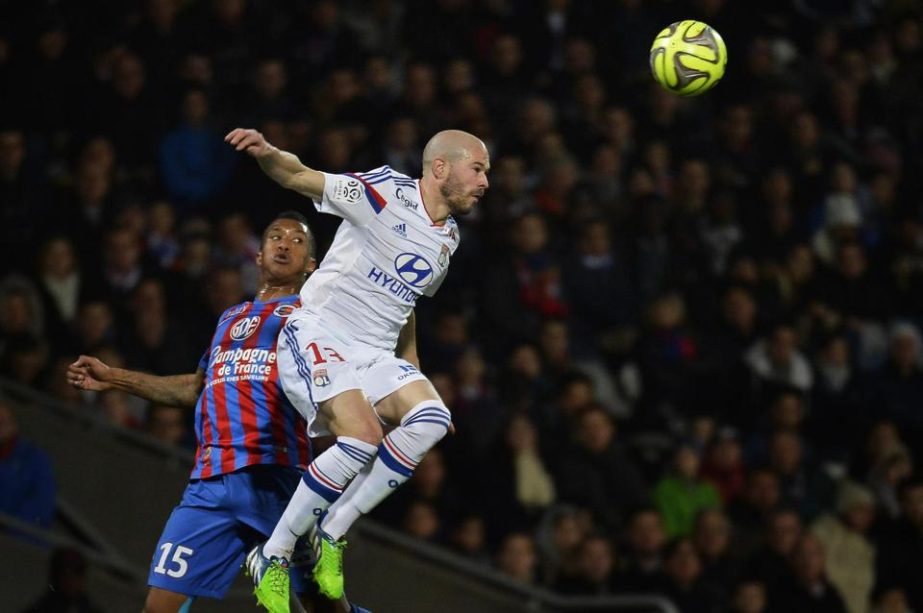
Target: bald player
336 352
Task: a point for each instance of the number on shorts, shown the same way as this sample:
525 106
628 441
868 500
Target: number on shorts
179 555
319 357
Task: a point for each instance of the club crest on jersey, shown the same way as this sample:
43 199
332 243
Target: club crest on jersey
444 255
320 377
240 308
245 327
348 190
413 269
284 310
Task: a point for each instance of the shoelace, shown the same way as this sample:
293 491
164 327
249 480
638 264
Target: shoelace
277 581
340 546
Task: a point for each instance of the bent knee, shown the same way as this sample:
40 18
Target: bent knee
369 432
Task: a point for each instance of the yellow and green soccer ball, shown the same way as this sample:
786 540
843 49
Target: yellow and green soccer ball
688 58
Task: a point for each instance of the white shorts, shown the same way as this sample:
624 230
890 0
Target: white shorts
316 365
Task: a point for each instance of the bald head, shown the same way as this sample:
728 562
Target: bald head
451 146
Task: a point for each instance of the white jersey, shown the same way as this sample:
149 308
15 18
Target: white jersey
386 253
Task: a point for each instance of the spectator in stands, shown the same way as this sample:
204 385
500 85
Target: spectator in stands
469 538
807 588
749 596
169 425
194 162
902 546
723 465
684 586
516 558
61 284
682 494
27 484
519 486
777 359
749 513
642 569
712 539
596 564
850 561
562 530
67 585
899 384
597 473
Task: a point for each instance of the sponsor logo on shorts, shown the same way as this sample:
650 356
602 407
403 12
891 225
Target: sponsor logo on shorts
245 327
347 190
409 371
320 377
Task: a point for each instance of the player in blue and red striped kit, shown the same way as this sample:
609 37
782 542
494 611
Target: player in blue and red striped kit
252 444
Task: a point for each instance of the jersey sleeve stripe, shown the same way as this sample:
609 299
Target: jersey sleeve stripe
374 198
368 176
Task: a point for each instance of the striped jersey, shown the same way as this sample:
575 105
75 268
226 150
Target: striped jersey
243 417
387 252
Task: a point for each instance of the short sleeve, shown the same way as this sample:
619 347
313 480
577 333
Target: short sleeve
354 196
203 361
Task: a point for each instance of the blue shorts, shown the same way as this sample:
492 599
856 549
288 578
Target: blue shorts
217 522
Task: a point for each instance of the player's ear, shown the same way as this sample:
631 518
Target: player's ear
439 168
311 266
259 258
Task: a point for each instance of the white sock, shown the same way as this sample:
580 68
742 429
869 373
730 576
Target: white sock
319 487
398 455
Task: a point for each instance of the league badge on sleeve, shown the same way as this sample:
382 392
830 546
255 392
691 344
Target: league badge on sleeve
347 190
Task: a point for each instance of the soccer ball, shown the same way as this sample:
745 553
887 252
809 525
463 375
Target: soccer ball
688 58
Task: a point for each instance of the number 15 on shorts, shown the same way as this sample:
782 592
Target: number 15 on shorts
175 565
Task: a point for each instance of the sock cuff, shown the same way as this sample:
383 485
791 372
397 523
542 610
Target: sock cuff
358 450
435 409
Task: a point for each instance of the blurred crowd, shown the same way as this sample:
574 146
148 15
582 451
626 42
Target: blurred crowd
681 338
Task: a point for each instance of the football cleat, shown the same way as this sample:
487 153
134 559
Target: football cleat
328 570
270 580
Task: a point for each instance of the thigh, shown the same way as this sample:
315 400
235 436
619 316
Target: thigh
200 549
402 396
314 367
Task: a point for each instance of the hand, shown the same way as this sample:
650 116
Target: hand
88 373
250 141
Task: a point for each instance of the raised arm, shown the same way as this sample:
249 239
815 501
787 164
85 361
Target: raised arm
89 373
282 167
407 341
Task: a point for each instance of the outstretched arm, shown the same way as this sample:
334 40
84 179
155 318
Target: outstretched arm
282 167
407 341
89 373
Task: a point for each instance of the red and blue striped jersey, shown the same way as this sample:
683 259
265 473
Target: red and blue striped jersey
243 417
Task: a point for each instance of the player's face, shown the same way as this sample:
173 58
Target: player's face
285 256
466 182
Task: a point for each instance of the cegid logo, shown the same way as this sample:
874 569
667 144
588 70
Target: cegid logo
245 327
407 202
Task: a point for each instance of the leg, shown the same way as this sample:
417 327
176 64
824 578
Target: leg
165 601
423 420
350 417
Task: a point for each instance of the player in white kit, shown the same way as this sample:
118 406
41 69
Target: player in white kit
337 352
